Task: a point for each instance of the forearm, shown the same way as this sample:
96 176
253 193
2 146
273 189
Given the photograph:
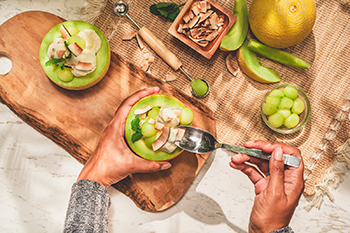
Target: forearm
88 208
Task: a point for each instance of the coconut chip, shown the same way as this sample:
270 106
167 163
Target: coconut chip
129 35
229 65
170 77
201 24
140 41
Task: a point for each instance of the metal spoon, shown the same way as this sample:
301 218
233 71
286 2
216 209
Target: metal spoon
121 8
199 141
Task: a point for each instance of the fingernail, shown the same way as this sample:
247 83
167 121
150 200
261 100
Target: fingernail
165 166
249 143
279 154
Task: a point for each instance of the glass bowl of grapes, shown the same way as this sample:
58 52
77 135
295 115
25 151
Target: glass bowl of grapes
285 108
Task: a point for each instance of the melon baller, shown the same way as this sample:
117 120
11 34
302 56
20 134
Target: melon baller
121 8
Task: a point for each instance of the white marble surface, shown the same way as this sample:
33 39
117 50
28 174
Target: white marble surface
36 177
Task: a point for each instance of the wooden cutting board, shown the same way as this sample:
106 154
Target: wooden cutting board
75 119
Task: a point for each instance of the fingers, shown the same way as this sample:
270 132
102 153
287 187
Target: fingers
128 103
143 165
238 162
276 171
259 144
125 107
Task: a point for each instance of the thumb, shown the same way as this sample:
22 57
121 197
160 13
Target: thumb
143 165
276 166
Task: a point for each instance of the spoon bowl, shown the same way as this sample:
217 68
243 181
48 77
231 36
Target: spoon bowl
199 141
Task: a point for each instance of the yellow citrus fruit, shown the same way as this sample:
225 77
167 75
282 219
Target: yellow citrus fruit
282 23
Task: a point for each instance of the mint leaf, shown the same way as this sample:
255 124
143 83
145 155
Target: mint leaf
135 124
61 66
136 136
154 10
172 15
169 10
164 4
54 61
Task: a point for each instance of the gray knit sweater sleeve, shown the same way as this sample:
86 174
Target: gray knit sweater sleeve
287 229
88 208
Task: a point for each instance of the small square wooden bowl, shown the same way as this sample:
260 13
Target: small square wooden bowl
210 49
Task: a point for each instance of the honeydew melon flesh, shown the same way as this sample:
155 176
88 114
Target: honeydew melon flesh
250 65
103 57
140 147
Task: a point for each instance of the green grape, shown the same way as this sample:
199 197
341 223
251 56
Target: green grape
286 103
199 87
148 129
77 39
153 113
269 109
276 93
65 75
298 106
292 121
149 141
186 116
72 30
276 120
275 101
290 92
284 112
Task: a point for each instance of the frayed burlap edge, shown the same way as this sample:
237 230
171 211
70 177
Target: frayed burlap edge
92 10
334 175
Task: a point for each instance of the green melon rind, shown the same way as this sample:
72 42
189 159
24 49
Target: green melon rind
78 83
139 147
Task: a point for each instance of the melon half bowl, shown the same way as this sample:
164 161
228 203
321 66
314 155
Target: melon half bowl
103 57
139 147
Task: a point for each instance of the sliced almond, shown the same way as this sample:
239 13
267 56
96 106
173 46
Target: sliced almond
230 66
129 35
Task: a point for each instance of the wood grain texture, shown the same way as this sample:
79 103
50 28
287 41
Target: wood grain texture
76 119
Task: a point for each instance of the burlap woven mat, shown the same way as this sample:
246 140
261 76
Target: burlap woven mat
236 100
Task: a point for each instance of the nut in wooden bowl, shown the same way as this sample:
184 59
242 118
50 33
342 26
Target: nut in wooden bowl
201 25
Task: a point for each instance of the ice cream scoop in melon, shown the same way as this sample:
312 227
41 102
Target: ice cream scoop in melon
151 124
102 60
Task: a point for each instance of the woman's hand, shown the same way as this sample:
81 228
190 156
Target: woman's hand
277 193
112 160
